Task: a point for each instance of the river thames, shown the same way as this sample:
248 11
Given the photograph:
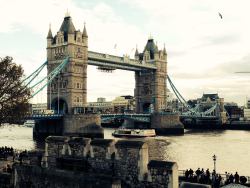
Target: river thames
192 150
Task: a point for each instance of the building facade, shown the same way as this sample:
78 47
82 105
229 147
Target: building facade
100 106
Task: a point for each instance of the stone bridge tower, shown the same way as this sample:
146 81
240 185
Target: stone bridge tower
68 91
150 86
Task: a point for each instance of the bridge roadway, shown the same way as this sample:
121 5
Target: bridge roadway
136 117
116 62
104 117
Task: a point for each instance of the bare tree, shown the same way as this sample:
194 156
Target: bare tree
14 94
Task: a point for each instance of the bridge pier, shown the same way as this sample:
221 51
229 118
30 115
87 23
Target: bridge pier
166 123
85 125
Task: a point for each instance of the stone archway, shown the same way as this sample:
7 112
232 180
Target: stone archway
63 106
146 107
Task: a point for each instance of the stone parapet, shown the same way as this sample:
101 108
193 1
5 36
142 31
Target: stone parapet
125 161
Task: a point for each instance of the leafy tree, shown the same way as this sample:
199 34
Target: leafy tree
14 94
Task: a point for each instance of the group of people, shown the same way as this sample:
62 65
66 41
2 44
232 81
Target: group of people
206 177
202 176
5 152
236 178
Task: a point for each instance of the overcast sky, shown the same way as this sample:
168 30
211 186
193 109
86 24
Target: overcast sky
204 51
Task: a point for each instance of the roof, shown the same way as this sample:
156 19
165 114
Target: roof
162 164
84 33
49 36
151 48
211 96
101 142
67 26
129 144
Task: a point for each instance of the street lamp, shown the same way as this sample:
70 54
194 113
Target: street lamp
214 159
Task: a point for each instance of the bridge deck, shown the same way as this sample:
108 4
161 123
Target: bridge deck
116 62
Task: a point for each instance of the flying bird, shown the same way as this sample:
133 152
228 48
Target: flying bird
220 15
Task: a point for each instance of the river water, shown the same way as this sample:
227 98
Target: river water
192 150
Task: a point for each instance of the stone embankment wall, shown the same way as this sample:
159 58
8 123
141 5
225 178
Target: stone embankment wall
99 163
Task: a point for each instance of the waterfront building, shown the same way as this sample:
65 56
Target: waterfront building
175 105
233 110
170 96
100 106
247 114
123 104
247 110
248 103
207 101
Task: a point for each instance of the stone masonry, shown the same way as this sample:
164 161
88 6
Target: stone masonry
82 162
151 87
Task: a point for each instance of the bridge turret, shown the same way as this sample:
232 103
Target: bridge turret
49 37
156 52
136 53
151 87
85 35
164 53
69 92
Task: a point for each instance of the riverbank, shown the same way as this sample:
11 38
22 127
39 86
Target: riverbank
193 149
232 125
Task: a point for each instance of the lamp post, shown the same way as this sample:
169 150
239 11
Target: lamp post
214 159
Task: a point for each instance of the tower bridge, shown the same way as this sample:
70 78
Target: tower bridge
67 92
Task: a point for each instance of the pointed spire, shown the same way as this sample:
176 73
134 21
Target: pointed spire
150 37
67 26
49 36
164 50
67 13
84 33
136 51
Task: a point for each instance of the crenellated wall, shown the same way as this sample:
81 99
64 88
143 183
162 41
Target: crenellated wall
117 163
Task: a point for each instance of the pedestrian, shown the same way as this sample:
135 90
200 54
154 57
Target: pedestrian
237 177
187 174
231 178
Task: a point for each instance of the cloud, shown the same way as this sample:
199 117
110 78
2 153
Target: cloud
204 51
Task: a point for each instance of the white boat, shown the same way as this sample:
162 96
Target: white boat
29 123
134 133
